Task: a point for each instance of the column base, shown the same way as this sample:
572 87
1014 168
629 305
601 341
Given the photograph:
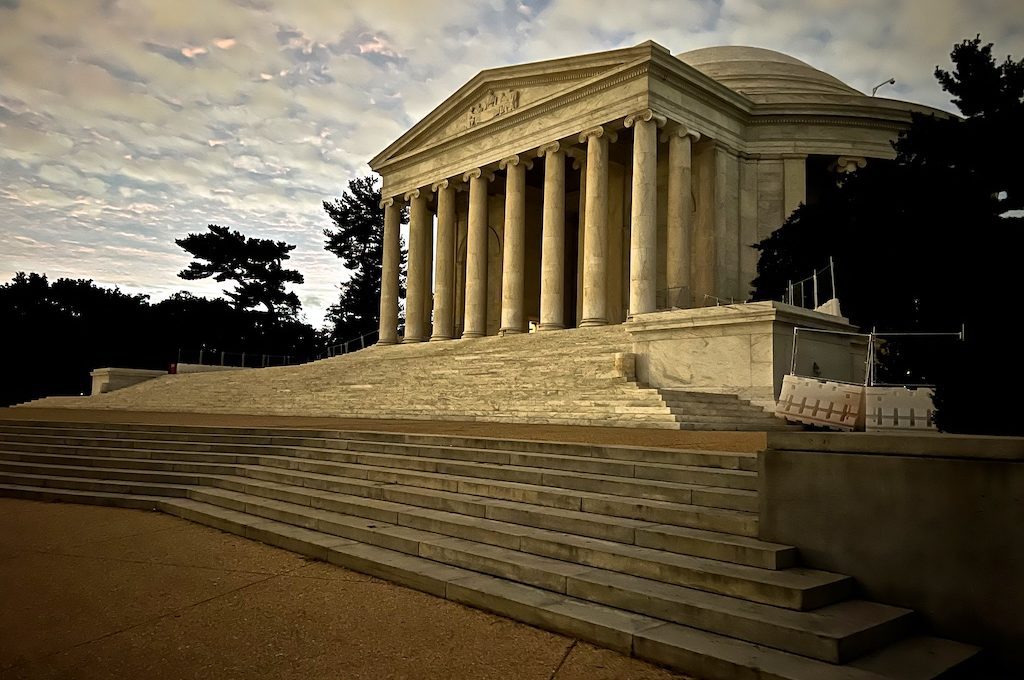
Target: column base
439 338
409 341
469 335
551 327
588 323
387 342
510 331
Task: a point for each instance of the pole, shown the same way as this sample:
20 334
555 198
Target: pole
789 288
792 362
832 273
200 356
815 288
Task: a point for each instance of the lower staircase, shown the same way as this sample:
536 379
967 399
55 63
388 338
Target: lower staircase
652 552
558 377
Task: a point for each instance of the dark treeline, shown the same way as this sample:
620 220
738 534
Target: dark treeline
54 333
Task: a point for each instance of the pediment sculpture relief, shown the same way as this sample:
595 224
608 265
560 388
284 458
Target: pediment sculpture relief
493 104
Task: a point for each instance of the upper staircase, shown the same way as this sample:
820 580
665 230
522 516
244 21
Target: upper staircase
649 551
557 377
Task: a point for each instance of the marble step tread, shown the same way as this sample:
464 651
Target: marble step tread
594 520
794 588
716 503
684 540
680 647
471 496
282 435
714 466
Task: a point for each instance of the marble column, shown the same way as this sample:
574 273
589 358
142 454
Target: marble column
595 241
794 178
513 276
428 273
643 239
444 272
419 242
390 264
475 318
552 258
679 218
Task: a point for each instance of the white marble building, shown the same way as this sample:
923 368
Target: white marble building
585 190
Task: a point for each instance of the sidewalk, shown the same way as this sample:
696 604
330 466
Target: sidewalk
92 592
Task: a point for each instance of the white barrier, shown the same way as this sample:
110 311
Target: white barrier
835 405
899 408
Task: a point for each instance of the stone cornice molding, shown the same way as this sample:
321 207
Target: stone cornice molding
646 115
552 147
598 132
680 130
513 161
476 173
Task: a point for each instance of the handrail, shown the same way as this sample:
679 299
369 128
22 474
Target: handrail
333 350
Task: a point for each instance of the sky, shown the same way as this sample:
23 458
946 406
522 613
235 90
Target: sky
125 124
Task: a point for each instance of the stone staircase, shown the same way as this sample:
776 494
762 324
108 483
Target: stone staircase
651 552
558 377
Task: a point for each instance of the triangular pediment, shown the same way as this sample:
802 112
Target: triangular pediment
496 94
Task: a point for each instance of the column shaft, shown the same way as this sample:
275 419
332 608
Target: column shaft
428 275
390 263
476 258
419 223
444 273
513 279
679 242
552 258
643 240
595 241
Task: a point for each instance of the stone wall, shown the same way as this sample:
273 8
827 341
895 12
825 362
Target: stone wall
933 523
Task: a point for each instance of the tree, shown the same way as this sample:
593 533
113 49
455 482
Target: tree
255 265
930 241
358 239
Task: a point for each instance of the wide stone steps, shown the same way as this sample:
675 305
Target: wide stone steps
599 515
704 652
560 378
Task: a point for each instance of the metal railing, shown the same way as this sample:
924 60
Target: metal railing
796 291
206 356
353 345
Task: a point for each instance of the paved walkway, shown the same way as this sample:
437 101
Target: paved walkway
92 592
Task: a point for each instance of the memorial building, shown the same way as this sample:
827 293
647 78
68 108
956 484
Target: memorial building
582 191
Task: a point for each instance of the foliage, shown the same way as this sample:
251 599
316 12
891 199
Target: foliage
926 242
358 239
253 264
55 333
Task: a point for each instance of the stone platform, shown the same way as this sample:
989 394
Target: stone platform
647 550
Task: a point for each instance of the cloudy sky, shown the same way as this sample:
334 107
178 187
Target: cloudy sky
125 124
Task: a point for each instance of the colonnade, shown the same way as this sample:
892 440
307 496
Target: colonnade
643 245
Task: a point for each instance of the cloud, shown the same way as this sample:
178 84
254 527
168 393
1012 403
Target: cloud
125 125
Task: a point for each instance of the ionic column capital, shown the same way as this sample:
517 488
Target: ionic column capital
647 115
680 130
387 202
477 173
412 195
513 161
848 164
578 156
437 186
550 147
597 133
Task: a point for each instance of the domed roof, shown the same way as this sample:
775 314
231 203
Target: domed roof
764 75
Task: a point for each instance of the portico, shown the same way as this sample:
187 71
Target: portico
583 191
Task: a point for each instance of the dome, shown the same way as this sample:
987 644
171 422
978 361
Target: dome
764 75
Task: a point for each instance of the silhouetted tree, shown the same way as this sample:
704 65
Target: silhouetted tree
253 264
931 241
358 239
